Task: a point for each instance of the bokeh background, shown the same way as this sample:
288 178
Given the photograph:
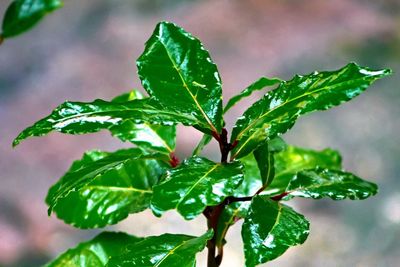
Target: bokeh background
87 50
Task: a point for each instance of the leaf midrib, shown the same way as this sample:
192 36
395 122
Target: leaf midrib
213 128
283 104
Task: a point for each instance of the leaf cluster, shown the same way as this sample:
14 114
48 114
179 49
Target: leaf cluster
257 174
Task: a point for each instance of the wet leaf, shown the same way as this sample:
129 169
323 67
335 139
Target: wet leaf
269 229
167 250
279 109
178 72
104 188
22 15
335 184
96 252
195 184
81 118
151 137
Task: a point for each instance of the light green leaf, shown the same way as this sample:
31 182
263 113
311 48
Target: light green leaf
167 250
104 188
287 164
151 137
269 229
335 184
279 109
178 72
265 163
295 159
80 118
22 15
96 252
200 146
257 85
195 184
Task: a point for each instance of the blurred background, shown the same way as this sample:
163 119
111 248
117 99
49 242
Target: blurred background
88 49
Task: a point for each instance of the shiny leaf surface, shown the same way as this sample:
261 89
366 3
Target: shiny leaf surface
22 15
335 184
96 252
269 229
103 188
151 137
178 72
80 118
167 250
257 85
279 109
195 184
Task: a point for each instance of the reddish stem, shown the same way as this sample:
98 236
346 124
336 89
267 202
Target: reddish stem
173 160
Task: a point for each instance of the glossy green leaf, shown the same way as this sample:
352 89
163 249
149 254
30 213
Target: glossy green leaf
200 146
167 250
269 229
287 164
195 184
279 109
22 15
257 85
277 145
265 163
295 159
151 137
104 188
335 184
178 72
96 252
80 118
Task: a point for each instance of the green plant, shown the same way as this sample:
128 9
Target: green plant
257 173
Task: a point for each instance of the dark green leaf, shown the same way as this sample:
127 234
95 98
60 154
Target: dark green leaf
151 137
167 250
265 163
96 252
279 109
103 188
269 229
200 146
257 85
178 72
22 15
277 144
80 118
195 184
337 185
295 159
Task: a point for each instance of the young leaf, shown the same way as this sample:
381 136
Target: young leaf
178 72
265 163
80 118
269 229
335 184
167 250
103 188
257 85
195 184
96 252
151 137
200 146
287 164
279 109
22 15
295 159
